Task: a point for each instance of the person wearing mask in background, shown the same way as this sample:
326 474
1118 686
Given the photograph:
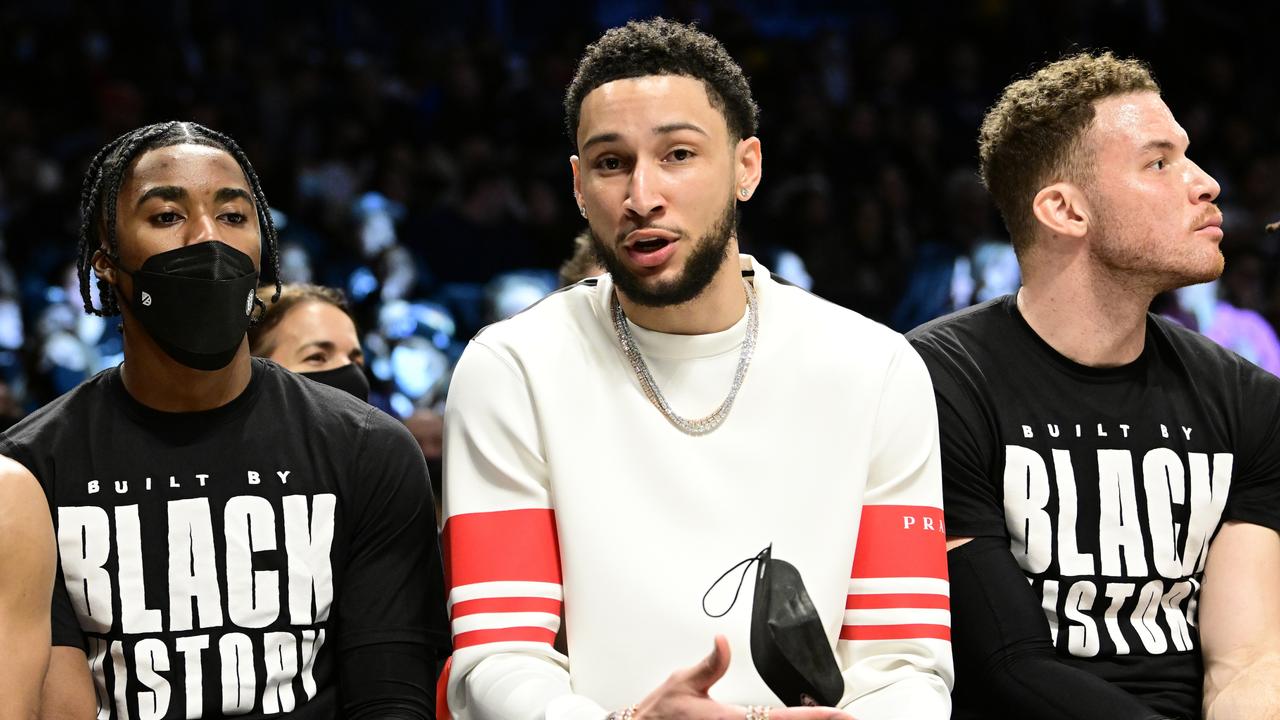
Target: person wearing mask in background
310 331
234 540
1111 479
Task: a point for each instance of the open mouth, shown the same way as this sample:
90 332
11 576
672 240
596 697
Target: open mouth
650 245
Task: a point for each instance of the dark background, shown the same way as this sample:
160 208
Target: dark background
417 150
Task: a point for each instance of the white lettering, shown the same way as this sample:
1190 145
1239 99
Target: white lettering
253 597
1124 429
1101 432
1055 431
1118 592
1026 432
284 476
120 682
1186 431
150 658
1118 525
94 487
1082 637
1174 616
307 545
908 521
1144 619
239 685
193 570
1164 431
1071 561
254 478
1049 603
98 649
84 541
311 645
928 523
135 616
1208 498
122 487
1163 480
173 482
191 646
281 657
201 477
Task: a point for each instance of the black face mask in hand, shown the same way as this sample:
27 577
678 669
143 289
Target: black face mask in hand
788 644
195 301
349 377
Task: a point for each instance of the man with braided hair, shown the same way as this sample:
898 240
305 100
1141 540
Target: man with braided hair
233 539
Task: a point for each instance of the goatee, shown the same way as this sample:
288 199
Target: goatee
700 269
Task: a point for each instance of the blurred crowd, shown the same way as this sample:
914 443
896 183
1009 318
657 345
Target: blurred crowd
414 154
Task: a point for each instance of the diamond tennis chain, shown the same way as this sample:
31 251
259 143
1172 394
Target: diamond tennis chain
700 426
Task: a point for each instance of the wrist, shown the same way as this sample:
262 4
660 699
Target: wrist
627 713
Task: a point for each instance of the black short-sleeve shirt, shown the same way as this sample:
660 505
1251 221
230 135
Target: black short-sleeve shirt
1109 483
246 560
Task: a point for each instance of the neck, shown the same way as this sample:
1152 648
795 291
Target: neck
162 383
1093 318
716 308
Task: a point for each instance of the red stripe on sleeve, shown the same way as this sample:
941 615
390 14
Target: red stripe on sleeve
505 604
508 545
481 637
884 601
895 632
900 541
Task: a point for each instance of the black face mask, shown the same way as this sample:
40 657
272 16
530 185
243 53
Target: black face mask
195 302
349 377
788 644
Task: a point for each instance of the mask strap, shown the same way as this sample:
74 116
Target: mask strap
741 580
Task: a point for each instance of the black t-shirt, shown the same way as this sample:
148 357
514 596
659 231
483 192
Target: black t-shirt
1109 483
246 560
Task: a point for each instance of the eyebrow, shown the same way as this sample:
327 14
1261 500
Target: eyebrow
660 130
1158 145
173 192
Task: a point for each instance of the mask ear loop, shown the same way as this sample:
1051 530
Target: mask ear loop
741 579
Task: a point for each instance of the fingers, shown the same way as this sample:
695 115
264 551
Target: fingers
710 669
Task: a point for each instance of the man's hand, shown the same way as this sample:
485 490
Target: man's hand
684 695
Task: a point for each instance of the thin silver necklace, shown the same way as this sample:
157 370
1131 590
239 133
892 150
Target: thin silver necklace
700 426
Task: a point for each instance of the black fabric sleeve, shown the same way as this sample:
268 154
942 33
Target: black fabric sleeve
973 504
1255 490
391 605
1001 643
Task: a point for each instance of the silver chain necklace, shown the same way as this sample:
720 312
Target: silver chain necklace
700 426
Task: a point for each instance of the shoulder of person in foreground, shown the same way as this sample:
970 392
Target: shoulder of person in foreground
26 583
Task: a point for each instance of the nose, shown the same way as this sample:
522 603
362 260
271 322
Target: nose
203 227
644 190
1202 185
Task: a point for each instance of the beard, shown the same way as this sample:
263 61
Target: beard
1148 262
699 270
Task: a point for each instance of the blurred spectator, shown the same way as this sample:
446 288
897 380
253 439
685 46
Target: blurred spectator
582 263
309 330
425 150
1242 331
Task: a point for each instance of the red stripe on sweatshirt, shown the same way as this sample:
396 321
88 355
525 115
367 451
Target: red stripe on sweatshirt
504 605
895 632
900 541
507 545
886 601
515 634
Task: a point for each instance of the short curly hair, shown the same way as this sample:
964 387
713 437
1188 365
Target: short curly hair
662 47
1032 136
